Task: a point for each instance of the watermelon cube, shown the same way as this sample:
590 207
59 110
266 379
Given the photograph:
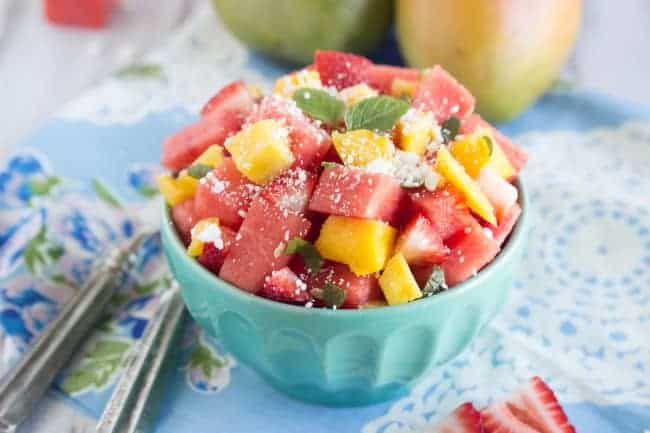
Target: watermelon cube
233 97
444 209
226 194
183 147
86 13
285 286
500 234
381 77
358 289
309 144
420 243
341 70
184 219
259 247
353 192
291 191
500 192
441 94
471 249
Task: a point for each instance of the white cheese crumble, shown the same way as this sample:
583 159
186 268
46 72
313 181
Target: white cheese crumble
408 168
208 233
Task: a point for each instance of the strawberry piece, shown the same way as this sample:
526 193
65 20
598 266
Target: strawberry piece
213 256
441 94
341 70
420 243
500 234
184 219
235 97
358 290
88 13
381 77
284 285
444 209
533 408
464 419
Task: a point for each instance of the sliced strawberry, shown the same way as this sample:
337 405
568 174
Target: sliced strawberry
464 419
381 77
234 97
358 290
506 225
284 285
341 70
420 242
444 209
441 94
213 255
533 408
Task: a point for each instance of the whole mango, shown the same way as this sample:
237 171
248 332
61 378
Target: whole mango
507 52
291 30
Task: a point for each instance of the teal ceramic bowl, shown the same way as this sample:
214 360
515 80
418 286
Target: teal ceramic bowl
345 357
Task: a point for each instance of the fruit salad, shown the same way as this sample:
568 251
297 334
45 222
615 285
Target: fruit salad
350 185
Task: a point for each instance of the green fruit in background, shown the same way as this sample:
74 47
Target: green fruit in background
291 30
507 52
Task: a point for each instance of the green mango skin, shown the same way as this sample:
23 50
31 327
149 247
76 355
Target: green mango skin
290 30
506 52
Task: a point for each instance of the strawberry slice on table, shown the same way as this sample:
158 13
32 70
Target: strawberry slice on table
420 242
285 286
533 408
441 94
212 256
381 77
87 13
341 70
464 419
235 96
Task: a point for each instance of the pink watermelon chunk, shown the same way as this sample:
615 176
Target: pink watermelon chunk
260 243
353 192
226 194
358 290
471 249
444 209
184 219
183 147
341 70
291 191
420 242
381 77
507 224
441 94
233 97
516 155
502 194
309 143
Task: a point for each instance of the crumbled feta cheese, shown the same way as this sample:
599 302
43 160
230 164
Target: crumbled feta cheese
408 168
208 233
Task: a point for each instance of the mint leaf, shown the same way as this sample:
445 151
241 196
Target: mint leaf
449 129
436 282
140 70
307 251
197 171
377 113
329 164
332 295
319 104
105 194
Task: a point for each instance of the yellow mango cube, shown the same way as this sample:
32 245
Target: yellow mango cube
288 84
362 146
261 151
401 87
364 245
472 152
415 130
212 157
398 283
195 248
353 94
456 175
177 190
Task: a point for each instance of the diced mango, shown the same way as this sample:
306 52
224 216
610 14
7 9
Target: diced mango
212 157
261 151
451 169
362 146
177 190
364 245
472 152
288 84
352 95
415 130
398 283
195 248
401 87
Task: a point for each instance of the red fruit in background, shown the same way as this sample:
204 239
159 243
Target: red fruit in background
353 192
341 70
420 242
506 225
381 77
226 194
212 256
444 209
309 143
284 285
233 97
260 244
358 290
184 219
184 146
464 419
532 408
86 13
441 94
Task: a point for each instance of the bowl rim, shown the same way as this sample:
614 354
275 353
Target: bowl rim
513 243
